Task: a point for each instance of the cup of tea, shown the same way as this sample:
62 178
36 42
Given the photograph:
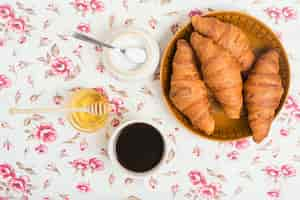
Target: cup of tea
137 148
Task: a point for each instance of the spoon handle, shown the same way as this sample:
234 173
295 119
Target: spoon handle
44 110
86 38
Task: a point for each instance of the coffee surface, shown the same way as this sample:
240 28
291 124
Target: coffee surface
139 147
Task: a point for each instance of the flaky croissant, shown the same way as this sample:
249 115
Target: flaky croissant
263 90
188 92
221 73
228 36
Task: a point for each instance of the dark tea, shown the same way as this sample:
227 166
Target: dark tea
139 147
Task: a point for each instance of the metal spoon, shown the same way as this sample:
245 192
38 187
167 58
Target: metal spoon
135 55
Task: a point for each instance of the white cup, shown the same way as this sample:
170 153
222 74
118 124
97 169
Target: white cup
131 37
118 167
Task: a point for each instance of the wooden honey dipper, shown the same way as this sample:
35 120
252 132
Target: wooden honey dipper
97 109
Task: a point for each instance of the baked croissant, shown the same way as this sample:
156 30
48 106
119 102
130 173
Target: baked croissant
221 73
188 92
263 91
228 36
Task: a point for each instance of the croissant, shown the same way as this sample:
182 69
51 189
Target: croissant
228 36
188 92
221 73
263 90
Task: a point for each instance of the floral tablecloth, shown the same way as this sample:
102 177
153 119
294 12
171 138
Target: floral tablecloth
43 157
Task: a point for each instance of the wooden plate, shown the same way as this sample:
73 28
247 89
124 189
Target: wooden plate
261 38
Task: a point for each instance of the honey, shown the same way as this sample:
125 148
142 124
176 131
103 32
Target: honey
84 121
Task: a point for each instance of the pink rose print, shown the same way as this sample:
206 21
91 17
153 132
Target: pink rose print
194 12
125 4
22 40
5 82
296 114
80 164
57 99
4 124
97 5
19 184
272 171
152 182
83 187
16 24
283 171
63 153
96 165
284 132
7 145
83 27
289 13
274 194
46 133
111 179
210 191
274 13
152 23
174 189
118 104
30 81
81 5
100 90
6 171
83 145
242 144
6 11
291 103
128 180
115 122
293 107
104 152
205 190
100 68
288 171
196 177
233 155
196 151
61 121
2 42
41 149
62 65
77 51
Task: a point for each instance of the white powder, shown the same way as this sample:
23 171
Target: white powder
135 56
